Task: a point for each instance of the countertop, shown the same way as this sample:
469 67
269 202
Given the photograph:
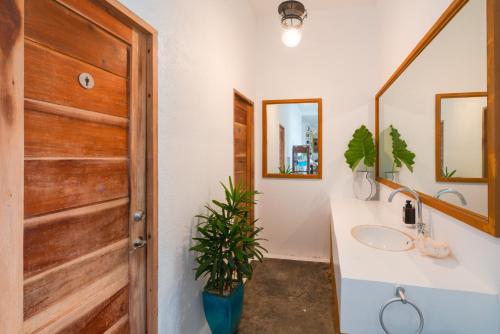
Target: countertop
409 268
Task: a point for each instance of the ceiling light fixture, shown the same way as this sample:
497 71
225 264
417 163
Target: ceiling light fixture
292 14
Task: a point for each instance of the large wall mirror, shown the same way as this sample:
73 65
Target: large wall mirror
435 118
291 131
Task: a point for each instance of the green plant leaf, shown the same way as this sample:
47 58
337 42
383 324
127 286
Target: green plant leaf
227 240
400 151
286 170
448 173
361 147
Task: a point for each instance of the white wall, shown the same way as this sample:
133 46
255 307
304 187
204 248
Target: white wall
335 61
205 50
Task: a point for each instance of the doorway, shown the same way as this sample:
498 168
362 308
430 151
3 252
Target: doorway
282 148
243 125
83 109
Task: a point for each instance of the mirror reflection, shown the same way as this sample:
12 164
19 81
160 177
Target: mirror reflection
432 120
461 137
292 138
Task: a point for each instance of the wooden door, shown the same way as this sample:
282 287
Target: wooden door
84 170
243 142
282 147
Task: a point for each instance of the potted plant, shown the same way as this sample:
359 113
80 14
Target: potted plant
361 152
400 153
286 170
226 245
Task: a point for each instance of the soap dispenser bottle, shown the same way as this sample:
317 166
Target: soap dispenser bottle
409 214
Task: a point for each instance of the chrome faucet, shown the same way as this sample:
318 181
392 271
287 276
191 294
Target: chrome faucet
420 222
452 191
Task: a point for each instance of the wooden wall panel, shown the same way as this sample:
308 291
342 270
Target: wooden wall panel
48 74
52 286
47 22
70 137
103 317
52 185
52 240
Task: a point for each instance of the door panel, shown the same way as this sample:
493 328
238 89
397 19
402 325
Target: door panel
84 171
240 140
53 185
53 77
73 308
47 23
81 138
240 111
50 240
98 14
41 292
99 320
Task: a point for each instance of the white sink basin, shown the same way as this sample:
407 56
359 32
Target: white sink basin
382 237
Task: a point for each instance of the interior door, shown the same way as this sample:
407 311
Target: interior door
243 143
282 147
84 171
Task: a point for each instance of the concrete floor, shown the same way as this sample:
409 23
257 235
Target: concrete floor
288 297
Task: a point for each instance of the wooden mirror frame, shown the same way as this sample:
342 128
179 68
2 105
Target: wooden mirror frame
439 140
265 103
490 224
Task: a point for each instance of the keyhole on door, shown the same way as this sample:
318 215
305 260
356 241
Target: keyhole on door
86 80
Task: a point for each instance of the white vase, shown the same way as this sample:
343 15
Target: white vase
392 176
364 186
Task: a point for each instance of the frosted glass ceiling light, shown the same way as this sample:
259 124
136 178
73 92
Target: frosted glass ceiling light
292 14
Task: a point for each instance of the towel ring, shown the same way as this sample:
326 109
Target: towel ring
401 297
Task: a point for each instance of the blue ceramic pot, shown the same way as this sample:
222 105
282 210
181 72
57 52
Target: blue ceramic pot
223 313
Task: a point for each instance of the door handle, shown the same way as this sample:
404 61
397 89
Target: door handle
138 243
138 215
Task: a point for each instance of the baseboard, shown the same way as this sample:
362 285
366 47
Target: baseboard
297 258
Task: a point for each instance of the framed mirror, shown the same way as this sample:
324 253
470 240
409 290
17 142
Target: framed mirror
292 138
461 129
437 117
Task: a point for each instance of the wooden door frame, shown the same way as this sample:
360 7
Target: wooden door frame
12 160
